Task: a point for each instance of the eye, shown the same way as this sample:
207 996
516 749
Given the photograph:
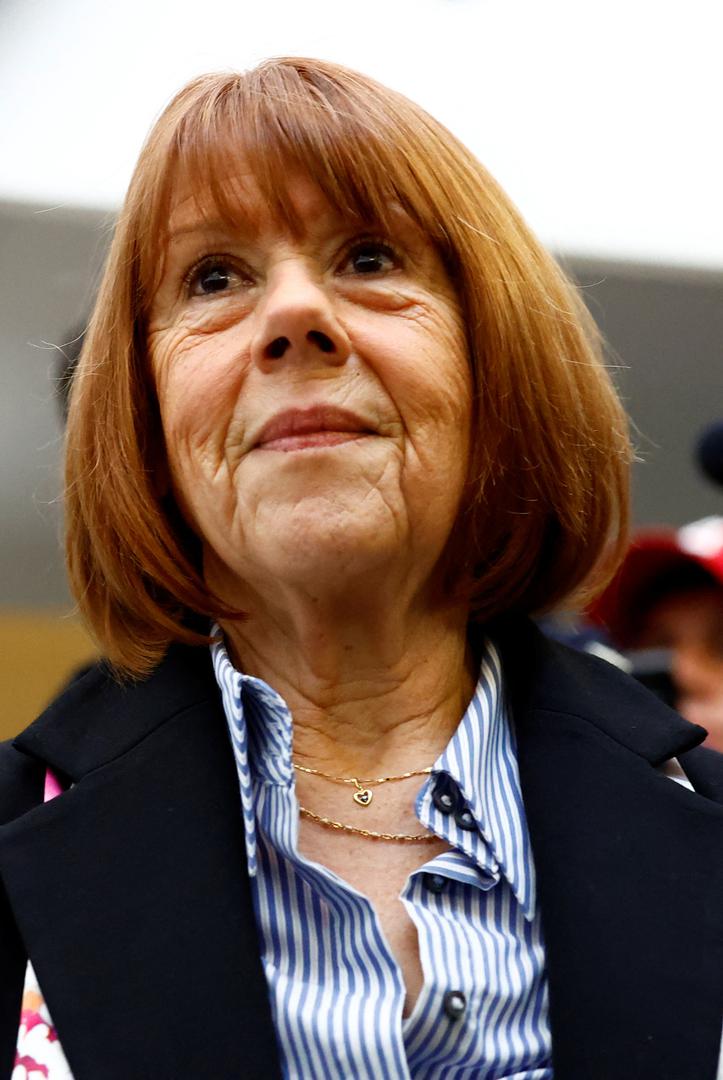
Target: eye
215 274
370 257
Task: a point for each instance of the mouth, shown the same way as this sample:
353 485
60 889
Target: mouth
313 428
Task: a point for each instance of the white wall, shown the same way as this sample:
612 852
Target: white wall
602 120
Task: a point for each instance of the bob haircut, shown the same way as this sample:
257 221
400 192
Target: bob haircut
545 512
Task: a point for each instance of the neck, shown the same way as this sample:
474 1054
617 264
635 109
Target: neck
373 693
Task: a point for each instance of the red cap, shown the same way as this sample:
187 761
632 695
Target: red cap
653 553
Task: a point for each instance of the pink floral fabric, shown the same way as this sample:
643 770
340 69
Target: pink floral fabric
39 1053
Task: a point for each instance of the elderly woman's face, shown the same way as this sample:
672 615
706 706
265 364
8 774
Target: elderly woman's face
315 391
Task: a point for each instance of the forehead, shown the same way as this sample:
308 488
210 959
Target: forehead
299 207
301 210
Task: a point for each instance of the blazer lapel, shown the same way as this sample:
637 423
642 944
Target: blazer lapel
629 870
131 889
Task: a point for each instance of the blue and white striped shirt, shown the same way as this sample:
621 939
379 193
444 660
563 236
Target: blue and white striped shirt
336 990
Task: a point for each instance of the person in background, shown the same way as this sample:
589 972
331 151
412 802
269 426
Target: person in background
334 807
668 597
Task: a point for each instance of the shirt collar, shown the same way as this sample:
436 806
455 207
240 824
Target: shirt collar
480 760
260 727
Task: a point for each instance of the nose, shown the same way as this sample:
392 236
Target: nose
298 322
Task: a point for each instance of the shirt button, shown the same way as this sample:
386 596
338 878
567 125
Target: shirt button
443 800
435 883
465 820
454 1004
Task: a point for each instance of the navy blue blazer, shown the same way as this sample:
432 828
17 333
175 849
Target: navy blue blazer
130 892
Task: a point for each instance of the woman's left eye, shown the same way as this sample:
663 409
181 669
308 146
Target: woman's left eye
370 257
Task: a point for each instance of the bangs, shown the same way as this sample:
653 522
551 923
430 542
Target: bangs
353 139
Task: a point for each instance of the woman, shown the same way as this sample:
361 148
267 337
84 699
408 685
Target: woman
341 419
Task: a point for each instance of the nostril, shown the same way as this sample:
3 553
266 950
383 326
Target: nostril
276 348
321 341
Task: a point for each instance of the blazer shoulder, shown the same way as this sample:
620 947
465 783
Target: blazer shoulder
544 676
99 716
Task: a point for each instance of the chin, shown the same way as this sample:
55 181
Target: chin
340 540
331 547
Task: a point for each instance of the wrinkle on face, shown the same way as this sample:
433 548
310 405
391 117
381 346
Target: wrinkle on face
407 369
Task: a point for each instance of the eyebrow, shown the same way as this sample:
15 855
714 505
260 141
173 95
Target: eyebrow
214 226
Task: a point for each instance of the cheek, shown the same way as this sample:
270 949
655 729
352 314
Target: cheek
431 381
197 381
422 362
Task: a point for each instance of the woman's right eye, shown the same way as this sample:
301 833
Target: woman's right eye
214 275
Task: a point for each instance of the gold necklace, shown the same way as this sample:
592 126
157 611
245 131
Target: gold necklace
368 833
363 794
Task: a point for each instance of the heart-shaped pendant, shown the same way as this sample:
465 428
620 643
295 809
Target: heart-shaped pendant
363 796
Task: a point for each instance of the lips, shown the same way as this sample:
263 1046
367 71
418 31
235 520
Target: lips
320 425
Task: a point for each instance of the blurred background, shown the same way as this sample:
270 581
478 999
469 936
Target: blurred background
601 120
